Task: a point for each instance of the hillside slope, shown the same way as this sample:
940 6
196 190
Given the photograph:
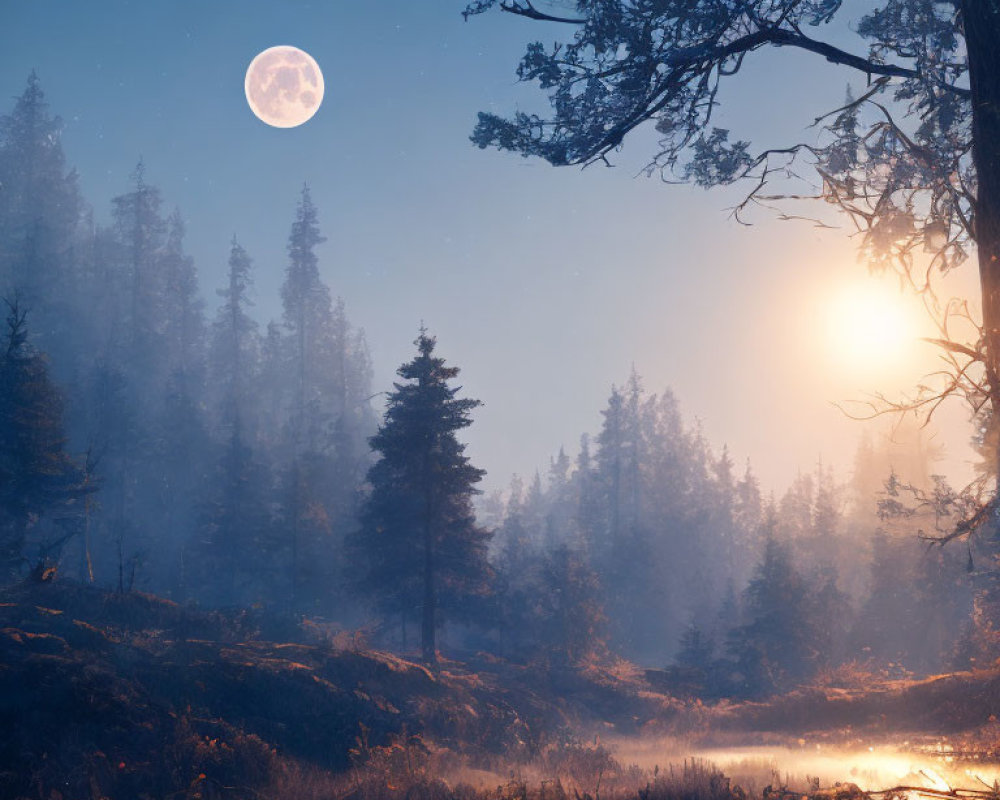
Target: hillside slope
114 695
108 695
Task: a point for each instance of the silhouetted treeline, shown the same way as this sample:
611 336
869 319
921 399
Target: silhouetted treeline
653 547
228 459
152 441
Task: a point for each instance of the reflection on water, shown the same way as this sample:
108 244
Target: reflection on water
872 768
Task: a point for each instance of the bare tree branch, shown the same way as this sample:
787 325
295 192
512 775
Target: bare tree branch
529 11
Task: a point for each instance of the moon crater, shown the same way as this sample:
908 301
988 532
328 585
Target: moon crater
284 86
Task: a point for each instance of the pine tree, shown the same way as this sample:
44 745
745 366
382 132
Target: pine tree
183 311
180 454
236 547
696 651
588 509
308 320
306 385
612 458
140 232
40 208
775 646
419 542
748 509
37 476
569 601
235 343
271 384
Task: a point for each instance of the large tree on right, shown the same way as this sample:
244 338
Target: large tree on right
913 157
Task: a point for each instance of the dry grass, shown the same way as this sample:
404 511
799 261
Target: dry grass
410 769
128 697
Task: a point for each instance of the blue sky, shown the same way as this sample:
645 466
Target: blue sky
545 285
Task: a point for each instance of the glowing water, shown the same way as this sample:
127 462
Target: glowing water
871 768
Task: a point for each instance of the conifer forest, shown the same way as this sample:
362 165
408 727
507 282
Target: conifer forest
353 445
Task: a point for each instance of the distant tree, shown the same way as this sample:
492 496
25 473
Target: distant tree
811 522
183 312
272 382
559 468
622 556
419 544
108 417
560 502
774 648
317 377
796 508
517 582
181 453
696 671
549 602
826 515
37 475
570 604
234 344
534 507
311 551
234 554
354 420
696 649
618 465
308 318
40 209
727 545
917 604
588 514
653 513
887 629
831 615
747 512
140 234
304 381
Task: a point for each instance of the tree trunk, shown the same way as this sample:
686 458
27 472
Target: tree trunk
428 643
296 511
981 20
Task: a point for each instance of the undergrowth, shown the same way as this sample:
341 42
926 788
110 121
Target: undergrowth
410 768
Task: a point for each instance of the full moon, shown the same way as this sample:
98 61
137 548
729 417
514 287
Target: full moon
284 86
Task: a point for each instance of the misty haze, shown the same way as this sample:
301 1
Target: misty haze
388 411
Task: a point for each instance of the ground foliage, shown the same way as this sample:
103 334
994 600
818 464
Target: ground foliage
128 695
123 694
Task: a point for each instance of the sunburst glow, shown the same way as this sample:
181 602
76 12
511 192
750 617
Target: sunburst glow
871 326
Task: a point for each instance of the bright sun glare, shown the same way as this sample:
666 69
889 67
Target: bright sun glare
871 326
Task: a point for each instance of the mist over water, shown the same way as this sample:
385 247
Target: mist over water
876 767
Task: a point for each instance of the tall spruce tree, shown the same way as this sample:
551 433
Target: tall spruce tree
310 402
308 320
40 209
235 344
419 542
236 538
140 233
181 453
